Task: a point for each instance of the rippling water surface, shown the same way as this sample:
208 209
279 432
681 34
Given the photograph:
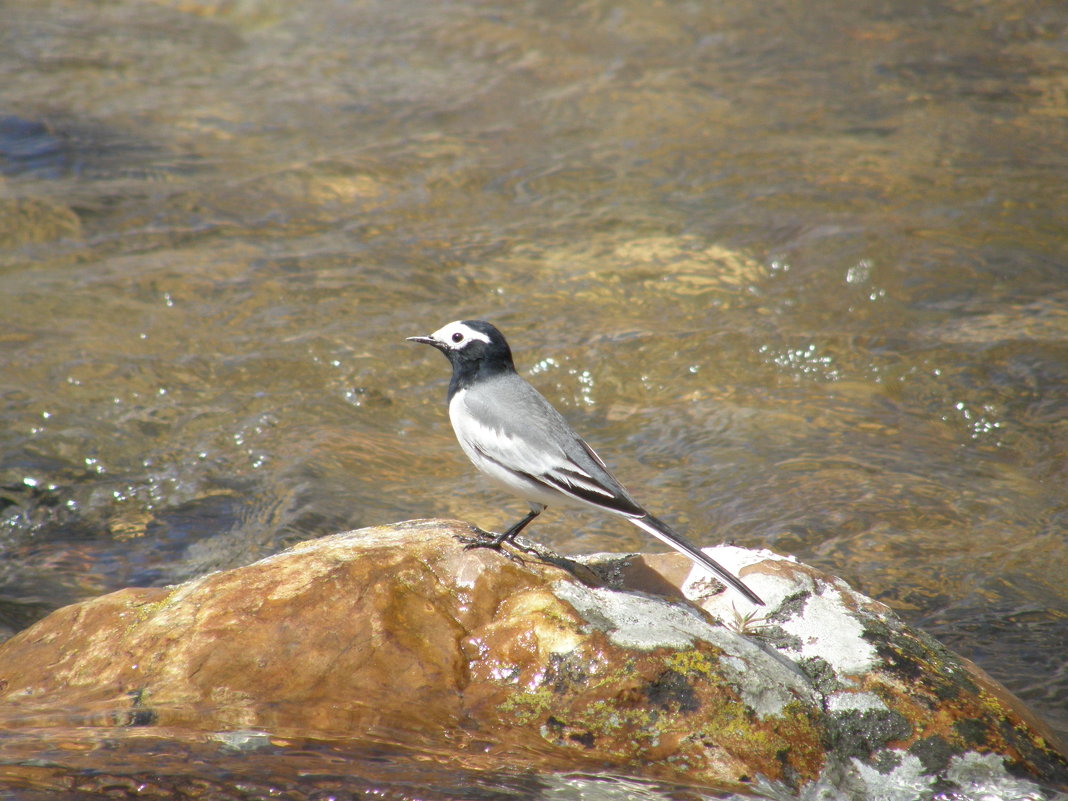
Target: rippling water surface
797 270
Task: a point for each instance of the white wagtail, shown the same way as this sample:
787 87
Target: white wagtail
514 436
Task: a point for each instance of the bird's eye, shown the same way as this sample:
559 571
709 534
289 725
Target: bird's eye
457 337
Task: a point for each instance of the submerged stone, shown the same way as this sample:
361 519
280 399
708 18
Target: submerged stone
637 663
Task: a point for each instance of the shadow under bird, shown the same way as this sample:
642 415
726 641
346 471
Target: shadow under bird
515 436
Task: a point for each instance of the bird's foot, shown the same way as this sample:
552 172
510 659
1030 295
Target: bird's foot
495 542
480 539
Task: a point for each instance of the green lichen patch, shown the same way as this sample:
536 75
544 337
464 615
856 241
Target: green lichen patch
779 638
787 747
821 673
668 706
140 610
692 662
913 656
524 708
951 710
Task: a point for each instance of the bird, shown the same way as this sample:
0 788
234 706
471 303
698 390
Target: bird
513 435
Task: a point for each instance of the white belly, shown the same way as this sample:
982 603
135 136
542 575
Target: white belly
490 449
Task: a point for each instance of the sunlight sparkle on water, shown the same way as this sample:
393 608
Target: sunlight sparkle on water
804 361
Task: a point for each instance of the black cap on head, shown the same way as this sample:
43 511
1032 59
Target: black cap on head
475 348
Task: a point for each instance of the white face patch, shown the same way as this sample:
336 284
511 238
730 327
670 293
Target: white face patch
456 335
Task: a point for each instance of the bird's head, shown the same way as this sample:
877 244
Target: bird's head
473 343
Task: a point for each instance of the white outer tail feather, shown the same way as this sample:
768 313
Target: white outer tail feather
660 530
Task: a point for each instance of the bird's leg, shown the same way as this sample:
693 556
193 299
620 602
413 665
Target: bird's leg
508 536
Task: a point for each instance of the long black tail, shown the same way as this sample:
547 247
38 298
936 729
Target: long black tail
661 531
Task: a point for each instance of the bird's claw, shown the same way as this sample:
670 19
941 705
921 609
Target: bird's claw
480 539
495 542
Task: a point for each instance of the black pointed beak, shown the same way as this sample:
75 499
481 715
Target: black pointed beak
432 342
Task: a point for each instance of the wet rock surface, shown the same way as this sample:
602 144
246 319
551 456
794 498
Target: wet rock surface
636 663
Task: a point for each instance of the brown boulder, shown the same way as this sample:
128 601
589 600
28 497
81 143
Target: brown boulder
400 632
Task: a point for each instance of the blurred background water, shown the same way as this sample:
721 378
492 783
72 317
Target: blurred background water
796 270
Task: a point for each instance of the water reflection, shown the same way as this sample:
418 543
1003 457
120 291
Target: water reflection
256 765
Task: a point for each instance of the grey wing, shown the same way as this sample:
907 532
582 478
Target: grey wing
522 432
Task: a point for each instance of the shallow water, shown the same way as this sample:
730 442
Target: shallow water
89 764
797 272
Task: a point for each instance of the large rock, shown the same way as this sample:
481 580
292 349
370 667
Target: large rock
623 662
